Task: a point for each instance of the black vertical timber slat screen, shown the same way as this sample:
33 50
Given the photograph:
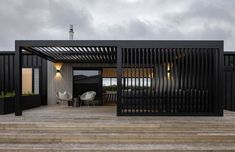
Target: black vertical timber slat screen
169 81
229 81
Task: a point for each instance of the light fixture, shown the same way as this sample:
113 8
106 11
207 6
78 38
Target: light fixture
169 70
58 66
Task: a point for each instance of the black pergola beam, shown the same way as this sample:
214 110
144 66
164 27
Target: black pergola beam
102 50
113 43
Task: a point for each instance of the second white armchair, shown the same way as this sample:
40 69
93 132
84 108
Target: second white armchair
88 97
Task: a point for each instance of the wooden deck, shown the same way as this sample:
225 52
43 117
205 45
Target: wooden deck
67 129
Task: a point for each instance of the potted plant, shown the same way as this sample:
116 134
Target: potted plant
7 102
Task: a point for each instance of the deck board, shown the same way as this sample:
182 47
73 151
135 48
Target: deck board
64 128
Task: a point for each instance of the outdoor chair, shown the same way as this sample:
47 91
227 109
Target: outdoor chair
88 96
64 97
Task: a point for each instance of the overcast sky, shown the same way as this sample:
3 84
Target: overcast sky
117 19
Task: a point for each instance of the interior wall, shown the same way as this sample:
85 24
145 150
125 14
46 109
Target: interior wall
62 81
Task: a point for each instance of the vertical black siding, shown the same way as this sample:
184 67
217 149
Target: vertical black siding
170 81
7 72
229 81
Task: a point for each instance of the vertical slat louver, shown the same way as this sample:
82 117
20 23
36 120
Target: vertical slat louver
168 81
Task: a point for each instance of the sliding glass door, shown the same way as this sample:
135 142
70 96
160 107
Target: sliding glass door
87 80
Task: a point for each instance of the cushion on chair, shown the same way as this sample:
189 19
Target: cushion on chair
60 94
88 96
63 95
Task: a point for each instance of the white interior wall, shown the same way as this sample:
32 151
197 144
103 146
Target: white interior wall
65 82
62 82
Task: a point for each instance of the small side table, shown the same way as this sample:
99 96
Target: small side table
76 102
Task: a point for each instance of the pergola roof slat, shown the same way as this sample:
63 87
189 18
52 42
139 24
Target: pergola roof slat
73 54
88 55
46 52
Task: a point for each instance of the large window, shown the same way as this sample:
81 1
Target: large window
30 80
109 81
85 73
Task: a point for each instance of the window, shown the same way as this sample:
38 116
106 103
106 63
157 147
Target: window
27 81
30 80
109 81
36 81
87 73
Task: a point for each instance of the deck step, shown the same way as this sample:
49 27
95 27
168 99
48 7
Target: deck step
111 138
116 127
116 147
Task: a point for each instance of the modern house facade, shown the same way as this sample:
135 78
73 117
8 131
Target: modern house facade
149 77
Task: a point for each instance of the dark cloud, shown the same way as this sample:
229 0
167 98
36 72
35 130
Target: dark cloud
117 19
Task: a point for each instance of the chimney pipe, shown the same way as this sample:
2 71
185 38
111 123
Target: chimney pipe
71 32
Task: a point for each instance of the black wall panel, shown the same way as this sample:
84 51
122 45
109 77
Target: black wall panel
229 81
7 72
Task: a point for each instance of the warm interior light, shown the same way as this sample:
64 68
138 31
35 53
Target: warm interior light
27 80
151 75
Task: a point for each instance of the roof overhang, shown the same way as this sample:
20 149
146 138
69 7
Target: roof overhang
98 51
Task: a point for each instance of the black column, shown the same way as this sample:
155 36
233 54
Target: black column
43 84
18 79
119 80
221 79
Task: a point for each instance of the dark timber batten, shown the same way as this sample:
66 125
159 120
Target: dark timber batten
153 77
229 80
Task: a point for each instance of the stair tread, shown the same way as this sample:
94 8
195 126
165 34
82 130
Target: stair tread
195 146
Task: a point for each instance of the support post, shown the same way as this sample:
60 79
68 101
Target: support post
18 79
221 79
119 80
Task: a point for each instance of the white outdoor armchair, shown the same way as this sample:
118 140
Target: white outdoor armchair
64 97
88 96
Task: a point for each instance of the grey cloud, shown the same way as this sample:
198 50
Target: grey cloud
137 29
117 19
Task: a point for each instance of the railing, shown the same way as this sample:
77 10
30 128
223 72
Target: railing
110 97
